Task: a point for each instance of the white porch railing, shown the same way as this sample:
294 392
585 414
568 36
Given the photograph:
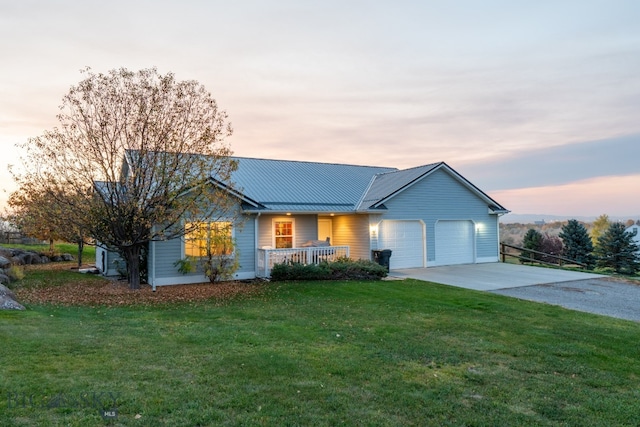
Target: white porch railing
267 258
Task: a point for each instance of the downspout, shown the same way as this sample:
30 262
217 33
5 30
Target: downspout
255 243
152 244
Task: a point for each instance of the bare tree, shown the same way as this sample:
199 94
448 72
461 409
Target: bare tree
138 152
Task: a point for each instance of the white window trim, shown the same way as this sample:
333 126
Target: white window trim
293 230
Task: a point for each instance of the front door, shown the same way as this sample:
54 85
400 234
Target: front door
325 229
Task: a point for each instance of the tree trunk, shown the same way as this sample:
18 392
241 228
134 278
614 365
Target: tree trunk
132 257
51 246
80 249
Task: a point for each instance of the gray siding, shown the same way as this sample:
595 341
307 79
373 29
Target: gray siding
245 244
165 255
439 196
352 231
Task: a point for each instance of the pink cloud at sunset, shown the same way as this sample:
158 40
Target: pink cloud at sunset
612 195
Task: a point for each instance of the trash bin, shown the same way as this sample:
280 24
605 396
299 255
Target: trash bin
382 257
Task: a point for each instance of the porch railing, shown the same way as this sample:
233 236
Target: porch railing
267 258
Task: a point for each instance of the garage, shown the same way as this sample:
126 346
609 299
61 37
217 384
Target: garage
455 242
407 241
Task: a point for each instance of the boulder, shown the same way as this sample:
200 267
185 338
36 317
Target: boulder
67 257
4 278
7 303
4 262
4 291
28 258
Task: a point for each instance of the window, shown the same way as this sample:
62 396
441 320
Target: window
215 238
283 234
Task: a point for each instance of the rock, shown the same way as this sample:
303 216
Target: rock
4 262
67 257
7 303
4 278
4 291
29 258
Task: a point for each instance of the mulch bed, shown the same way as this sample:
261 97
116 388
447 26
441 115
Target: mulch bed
117 293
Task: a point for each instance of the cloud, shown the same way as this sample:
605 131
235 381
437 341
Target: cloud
557 165
591 197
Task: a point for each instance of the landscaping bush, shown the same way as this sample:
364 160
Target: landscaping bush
341 269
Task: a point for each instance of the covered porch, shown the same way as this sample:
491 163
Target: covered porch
268 257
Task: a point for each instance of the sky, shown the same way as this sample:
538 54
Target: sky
535 102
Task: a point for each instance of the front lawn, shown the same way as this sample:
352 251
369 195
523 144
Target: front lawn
321 353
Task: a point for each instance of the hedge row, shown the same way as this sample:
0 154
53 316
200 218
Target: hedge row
341 269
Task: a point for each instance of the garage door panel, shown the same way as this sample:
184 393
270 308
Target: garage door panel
406 240
455 242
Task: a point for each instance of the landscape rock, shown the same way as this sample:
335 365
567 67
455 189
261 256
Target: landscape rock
29 258
7 303
67 257
4 262
4 291
4 279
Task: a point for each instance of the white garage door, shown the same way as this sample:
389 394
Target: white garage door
454 242
406 240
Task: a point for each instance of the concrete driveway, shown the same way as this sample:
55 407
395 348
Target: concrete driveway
492 276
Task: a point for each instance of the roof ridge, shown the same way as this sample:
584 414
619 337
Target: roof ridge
432 165
316 163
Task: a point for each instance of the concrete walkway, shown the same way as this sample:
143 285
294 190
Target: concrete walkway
492 276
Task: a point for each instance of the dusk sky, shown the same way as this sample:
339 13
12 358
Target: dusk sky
535 102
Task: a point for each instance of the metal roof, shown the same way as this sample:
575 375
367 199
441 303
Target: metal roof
313 187
297 186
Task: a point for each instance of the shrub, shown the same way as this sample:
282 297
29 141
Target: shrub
15 272
341 269
551 245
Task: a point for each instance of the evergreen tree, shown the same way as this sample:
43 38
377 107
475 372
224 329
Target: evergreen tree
616 249
577 243
532 240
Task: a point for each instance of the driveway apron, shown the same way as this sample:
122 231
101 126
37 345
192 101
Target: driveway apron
492 276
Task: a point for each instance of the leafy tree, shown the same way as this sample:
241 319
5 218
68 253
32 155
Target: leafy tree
151 147
532 240
577 243
617 250
599 226
551 245
38 213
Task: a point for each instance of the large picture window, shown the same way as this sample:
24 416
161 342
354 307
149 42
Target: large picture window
215 238
283 233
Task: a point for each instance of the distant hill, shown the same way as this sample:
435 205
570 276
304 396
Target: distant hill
535 218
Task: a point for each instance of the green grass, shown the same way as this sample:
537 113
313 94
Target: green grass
360 353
